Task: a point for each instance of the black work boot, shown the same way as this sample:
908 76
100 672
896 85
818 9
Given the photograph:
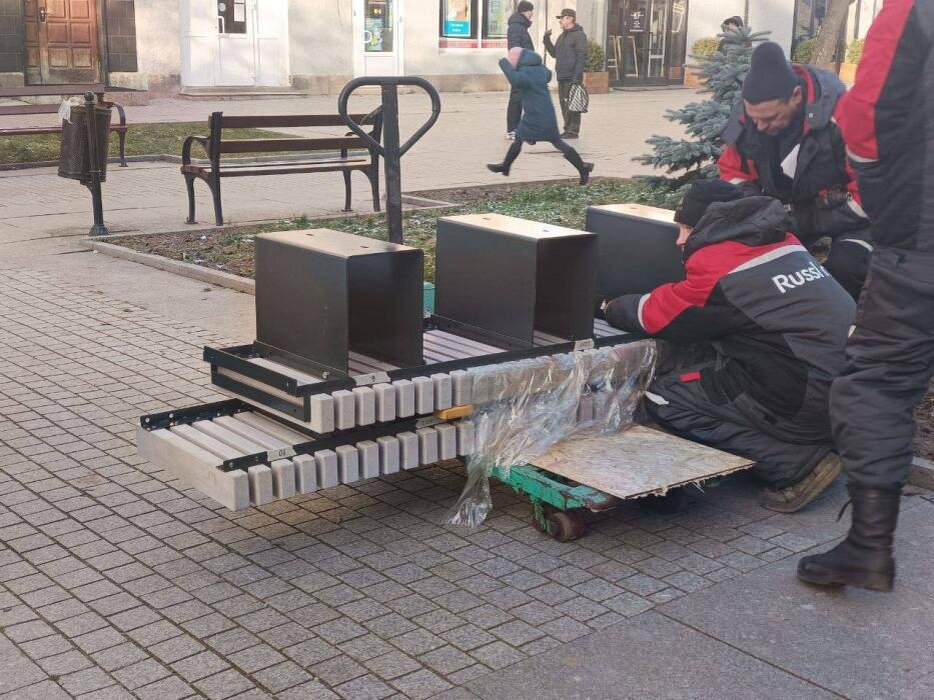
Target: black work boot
864 558
585 173
498 168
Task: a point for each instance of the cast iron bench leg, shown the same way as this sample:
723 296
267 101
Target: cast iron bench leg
190 186
121 135
215 184
347 190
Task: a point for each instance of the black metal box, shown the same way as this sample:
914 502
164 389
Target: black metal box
638 249
323 294
512 278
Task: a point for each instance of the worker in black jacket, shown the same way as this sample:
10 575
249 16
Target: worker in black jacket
782 141
887 122
755 335
570 54
517 36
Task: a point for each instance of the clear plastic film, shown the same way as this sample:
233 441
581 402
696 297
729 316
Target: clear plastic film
523 408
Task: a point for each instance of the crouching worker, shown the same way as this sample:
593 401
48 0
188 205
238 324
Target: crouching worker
757 333
525 72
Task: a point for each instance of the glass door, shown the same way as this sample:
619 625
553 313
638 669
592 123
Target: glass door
646 41
235 43
381 37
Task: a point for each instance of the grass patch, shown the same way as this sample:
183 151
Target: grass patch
141 140
558 204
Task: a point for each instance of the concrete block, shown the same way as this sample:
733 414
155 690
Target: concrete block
283 478
260 484
365 404
344 412
388 454
424 395
447 441
369 458
408 447
443 390
326 461
462 386
427 445
306 474
405 398
385 402
228 437
194 465
322 413
466 438
260 437
348 464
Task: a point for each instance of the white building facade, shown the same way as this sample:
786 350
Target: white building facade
316 46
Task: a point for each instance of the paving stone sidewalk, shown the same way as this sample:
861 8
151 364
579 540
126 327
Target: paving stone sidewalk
118 581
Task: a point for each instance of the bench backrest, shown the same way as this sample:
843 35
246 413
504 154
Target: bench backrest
218 122
43 91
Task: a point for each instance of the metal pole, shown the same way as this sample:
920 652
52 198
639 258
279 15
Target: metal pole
94 174
392 162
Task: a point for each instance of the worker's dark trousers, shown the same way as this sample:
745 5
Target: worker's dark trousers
572 120
513 110
890 359
848 261
683 400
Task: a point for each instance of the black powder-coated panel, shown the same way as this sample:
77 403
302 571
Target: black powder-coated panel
637 253
486 279
566 286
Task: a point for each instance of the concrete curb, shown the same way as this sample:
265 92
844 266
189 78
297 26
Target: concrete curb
921 473
202 274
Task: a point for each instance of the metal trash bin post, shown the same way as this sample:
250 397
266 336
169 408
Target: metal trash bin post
84 150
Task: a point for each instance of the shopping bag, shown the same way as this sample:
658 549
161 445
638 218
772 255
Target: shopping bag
578 99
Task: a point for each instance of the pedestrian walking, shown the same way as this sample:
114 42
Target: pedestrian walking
517 35
524 70
570 54
886 123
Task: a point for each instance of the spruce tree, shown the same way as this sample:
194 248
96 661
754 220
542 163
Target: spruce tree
722 74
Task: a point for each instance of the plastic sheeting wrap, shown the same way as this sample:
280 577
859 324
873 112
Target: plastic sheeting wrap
523 408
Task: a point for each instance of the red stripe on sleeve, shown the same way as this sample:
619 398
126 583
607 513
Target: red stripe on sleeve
731 167
856 110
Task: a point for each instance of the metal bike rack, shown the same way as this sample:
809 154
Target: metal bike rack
390 149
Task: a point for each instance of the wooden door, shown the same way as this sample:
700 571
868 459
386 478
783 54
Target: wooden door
61 42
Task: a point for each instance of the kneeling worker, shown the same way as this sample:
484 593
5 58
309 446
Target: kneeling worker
757 333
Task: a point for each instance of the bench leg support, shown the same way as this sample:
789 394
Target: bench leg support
347 191
121 135
374 185
215 185
190 186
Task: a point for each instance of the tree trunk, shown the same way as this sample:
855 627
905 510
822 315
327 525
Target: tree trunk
829 34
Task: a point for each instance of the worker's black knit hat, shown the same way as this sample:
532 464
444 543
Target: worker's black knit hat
525 6
770 76
702 194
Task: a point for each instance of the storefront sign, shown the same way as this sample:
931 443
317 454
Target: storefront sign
456 28
637 21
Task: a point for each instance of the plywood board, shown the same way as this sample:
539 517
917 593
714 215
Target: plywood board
639 462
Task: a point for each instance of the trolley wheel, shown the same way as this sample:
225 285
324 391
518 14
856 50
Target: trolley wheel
565 525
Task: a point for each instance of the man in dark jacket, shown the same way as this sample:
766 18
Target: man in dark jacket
782 142
517 35
887 122
756 333
524 71
570 54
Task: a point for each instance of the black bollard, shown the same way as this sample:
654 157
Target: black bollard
390 149
94 174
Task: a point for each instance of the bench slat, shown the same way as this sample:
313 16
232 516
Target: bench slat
288 120
28 109
293 144
43 90
32 130
280 168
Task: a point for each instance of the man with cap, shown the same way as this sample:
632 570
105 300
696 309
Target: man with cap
517 36
782 141
570 54
749 344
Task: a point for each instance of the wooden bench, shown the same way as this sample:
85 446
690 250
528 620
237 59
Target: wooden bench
215 144
55 91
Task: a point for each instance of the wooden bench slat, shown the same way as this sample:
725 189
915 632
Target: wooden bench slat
32 130
289 144
43 90
28 109
280 168
289 120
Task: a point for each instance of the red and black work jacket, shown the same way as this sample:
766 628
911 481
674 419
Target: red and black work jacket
777 317
887 120
822 193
